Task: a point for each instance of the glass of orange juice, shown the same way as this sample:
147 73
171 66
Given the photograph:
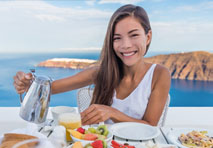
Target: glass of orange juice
69 121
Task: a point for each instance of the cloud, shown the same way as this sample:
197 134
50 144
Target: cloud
90 2
44 17
120 1
39 26
182 36
81 49
47 12
208 5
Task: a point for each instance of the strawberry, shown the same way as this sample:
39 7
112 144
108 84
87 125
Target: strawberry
118 145
97 144
81 130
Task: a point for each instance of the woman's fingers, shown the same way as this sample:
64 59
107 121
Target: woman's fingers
19 89
88 110
22 81
91 119
24 78
94 114
88 113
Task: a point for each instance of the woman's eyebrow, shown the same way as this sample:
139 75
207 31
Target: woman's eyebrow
132 31
128 32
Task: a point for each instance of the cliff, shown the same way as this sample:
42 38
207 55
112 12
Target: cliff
68 63
192 65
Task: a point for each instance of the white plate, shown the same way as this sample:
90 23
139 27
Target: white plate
134 131
174 134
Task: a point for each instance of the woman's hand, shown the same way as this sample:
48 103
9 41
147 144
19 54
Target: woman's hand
96 113
22 81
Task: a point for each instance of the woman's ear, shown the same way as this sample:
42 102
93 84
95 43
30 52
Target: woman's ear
149 37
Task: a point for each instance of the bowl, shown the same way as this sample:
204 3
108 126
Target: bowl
56 111
108 138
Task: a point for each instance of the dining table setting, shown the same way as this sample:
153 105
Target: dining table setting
62 129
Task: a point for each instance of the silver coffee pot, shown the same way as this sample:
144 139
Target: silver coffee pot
34 107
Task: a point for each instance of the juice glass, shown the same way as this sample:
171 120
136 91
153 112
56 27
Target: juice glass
69 121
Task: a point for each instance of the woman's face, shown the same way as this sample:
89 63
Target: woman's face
130 41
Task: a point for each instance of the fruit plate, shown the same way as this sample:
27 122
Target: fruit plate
174 134
134 131
108 138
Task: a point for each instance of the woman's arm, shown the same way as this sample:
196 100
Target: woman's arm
81 79
86 77
160 89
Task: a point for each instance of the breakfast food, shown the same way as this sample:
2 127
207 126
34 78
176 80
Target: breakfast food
10 139
91 133
95 144
115 144
148 144
102 129
77 144
196 139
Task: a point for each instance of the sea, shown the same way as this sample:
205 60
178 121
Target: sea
184 93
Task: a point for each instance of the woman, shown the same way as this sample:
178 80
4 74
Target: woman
126 87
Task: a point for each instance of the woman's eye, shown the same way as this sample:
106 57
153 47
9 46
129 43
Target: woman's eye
116 38
134 35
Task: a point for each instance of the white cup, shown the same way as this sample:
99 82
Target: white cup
56 111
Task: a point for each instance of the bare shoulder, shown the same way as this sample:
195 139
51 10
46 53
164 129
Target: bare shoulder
161 74
162 70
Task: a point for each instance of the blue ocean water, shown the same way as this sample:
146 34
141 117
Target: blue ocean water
182 92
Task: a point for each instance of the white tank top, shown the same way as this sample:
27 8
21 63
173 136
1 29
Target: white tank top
135 104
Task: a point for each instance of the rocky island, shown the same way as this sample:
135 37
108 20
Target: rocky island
68 63
191 65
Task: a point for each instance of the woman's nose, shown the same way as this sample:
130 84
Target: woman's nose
126 43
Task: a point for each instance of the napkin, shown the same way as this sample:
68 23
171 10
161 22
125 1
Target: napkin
58 136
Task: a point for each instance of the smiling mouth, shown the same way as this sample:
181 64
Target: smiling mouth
127 54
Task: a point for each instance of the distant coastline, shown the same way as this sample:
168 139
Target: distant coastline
190 65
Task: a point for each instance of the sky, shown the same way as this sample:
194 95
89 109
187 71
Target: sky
67 25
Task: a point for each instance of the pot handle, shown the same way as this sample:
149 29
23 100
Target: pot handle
33 73
20 97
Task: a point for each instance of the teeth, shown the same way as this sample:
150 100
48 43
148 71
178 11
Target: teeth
128 54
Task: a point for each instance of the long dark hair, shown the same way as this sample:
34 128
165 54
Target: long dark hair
111 69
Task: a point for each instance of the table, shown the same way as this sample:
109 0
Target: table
10 120
160 139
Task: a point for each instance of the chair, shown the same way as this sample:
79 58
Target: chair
162 120
84 98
